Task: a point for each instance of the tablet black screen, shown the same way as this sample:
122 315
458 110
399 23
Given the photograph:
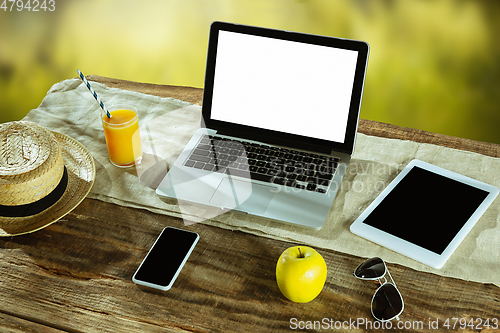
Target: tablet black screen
426 209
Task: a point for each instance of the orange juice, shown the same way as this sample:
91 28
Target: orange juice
122 136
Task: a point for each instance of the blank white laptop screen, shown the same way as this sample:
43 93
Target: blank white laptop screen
284 86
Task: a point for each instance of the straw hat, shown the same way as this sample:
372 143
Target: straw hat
43 176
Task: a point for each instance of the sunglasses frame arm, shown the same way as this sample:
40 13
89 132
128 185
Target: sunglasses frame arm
385 282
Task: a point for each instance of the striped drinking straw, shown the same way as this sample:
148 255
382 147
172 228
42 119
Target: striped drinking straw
93 93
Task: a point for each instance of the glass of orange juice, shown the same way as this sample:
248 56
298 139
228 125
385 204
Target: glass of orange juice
122 135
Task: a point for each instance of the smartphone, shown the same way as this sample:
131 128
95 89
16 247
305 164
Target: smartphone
165 259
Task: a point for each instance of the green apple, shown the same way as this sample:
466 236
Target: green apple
300 273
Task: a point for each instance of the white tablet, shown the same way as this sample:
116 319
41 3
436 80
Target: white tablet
425 212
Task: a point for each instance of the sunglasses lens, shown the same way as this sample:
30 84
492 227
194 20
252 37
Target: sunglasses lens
387 303
371 269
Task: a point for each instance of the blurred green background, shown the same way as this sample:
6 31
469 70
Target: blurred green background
434 65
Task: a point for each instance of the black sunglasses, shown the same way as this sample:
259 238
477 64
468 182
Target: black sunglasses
387 302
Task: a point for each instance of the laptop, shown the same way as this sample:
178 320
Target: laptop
279 120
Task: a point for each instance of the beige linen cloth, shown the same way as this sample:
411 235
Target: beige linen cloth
167 125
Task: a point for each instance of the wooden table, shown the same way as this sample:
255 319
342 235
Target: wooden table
75 275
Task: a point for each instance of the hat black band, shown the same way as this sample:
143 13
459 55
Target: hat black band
39 205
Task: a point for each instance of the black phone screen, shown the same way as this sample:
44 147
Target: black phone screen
166 257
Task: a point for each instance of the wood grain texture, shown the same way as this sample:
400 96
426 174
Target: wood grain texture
187 94
76 276
375 128
369 127
14 324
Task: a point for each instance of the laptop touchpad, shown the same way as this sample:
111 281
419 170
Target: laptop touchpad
243 195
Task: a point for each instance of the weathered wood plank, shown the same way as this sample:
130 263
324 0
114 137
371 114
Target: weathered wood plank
375 128
187 94
369 127
77 275
15 324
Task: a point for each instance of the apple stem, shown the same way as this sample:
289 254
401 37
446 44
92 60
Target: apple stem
300 253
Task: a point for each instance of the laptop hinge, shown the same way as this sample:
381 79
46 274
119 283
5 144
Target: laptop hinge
279 142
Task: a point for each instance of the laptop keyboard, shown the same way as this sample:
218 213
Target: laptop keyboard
301 170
